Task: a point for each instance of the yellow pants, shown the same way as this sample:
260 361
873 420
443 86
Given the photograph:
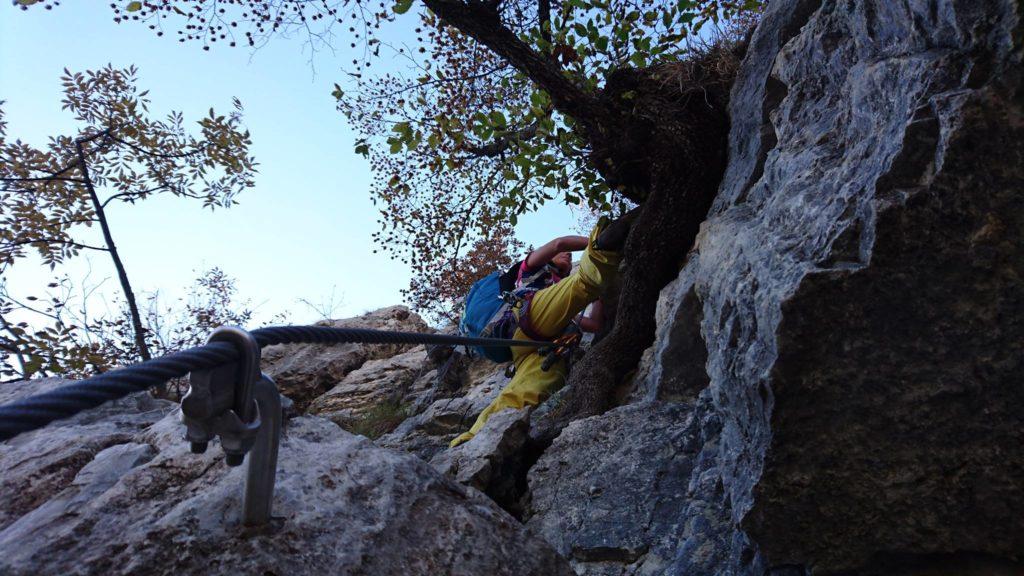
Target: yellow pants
550 312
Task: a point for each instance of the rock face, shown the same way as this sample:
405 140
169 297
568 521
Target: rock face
429 432
494 461
860 294
376 382
835 387
609 492
41 463
342 506
305 371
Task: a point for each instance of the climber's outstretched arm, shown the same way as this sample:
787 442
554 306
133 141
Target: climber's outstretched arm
545 253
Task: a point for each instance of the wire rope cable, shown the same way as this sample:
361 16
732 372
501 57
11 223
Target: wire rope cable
37 411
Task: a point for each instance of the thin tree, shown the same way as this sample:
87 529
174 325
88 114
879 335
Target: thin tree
120 153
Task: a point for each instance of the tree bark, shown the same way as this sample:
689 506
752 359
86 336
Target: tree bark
122 275
673 152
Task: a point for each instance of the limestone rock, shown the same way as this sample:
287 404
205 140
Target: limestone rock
39 464
493 460
375 383
859 294
430 431
305 371
610 491
342 506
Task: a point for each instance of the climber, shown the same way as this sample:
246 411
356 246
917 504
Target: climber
546 313
556 258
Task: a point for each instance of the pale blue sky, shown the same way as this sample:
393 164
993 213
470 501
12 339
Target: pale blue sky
304 229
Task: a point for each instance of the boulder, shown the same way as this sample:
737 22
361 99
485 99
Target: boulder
857 292
610 491
341 506
374 384
430 431
39 464
305 371
494 460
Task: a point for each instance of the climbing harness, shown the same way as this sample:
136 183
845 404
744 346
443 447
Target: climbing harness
487 311
228 396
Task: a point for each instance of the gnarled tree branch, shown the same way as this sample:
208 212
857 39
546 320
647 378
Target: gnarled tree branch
482 23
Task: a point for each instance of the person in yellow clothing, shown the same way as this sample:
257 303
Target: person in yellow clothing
548 312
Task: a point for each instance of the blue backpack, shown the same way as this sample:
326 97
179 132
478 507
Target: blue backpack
488 311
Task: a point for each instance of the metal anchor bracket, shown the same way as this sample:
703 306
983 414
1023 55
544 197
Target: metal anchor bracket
242 406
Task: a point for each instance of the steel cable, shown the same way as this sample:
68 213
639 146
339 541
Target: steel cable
37 411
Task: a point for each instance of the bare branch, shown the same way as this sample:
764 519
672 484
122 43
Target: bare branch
135 194
56 241
150 153
44 179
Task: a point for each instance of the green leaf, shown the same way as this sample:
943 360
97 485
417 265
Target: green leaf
402 6
497 118
134 6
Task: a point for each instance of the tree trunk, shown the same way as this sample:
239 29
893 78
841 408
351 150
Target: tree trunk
658 135
122 276
672 154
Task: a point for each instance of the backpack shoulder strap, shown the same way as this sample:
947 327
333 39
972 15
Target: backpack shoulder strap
540 273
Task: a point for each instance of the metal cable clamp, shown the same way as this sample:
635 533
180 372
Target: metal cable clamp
239 404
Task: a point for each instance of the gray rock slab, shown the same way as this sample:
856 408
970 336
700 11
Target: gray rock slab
610 491
492 461
305 371
342 506
429 432
859 293
387 380
37 465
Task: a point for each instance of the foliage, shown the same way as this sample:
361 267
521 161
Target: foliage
498 111
50 195
57 334
45 198
440 293
471 142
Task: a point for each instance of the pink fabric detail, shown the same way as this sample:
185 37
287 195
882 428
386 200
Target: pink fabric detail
526 270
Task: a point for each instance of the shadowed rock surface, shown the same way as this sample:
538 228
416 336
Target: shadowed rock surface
492 461
861 295
429 432
609 492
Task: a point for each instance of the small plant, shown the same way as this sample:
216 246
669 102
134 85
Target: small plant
380 419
